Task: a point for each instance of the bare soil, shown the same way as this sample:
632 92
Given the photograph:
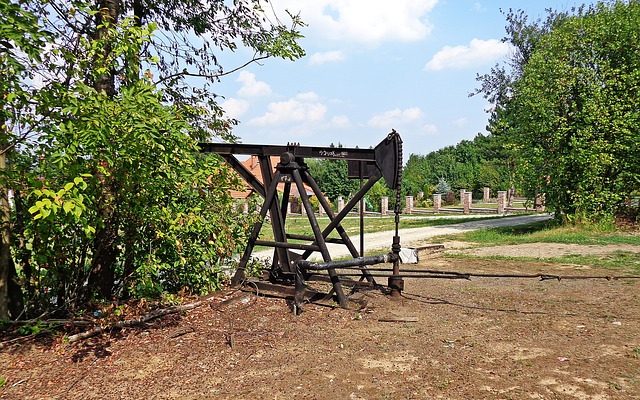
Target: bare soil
477 339
547 250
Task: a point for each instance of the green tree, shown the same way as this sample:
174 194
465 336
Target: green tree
572 115
112 196
332 178
469 164
22 41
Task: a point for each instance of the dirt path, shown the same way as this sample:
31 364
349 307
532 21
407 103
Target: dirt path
478 339
546 250
416 236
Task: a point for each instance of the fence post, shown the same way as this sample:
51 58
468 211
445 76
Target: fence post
245 207
462 192
384 205
539 203
502 200
340 203
409 204
467 202
486 194
437 202
320 208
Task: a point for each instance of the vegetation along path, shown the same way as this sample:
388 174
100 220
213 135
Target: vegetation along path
376 241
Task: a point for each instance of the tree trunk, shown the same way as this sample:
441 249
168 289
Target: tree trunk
108 13
105 250
5 251
10 293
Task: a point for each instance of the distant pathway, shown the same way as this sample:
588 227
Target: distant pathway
414 236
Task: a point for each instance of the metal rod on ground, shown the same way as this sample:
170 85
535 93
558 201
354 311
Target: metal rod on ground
356 262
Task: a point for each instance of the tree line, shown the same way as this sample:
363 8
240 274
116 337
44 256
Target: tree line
565 122
471 165
103 192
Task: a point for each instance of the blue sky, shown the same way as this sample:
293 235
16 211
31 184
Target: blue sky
374 65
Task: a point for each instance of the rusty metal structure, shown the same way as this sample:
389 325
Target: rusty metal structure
291 271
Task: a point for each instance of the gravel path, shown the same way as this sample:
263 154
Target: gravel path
414 236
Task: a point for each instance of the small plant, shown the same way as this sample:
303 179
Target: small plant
170 299
32 329
256 267
3 381
636 352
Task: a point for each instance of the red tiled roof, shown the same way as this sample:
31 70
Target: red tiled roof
252 164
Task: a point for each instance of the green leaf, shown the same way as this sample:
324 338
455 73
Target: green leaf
68 206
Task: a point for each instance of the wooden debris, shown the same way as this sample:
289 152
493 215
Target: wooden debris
394 318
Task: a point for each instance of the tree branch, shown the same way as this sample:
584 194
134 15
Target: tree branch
200 75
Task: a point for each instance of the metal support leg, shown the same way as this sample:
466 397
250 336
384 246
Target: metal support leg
342 300
332 216
269 197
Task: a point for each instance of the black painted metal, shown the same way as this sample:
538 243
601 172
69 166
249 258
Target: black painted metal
332 216
336 153
311 238
287 245
372 165
240 276
355 262
246 174
347 209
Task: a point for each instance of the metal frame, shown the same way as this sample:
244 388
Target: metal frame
384 161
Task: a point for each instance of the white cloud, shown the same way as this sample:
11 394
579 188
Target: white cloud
251 87
234 108
478 7
326 57
392 118
460 122
430 129
340 121
364 21
477 52
305 107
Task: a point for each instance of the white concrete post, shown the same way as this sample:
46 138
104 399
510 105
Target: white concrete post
486 194
409 204
437 202
539 203
384 205
502 201
462 192
467 202
245 207
340 203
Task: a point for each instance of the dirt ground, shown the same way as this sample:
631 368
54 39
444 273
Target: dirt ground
543 250
477 339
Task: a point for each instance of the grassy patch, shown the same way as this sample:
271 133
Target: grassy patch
547 232
619 260
300 225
